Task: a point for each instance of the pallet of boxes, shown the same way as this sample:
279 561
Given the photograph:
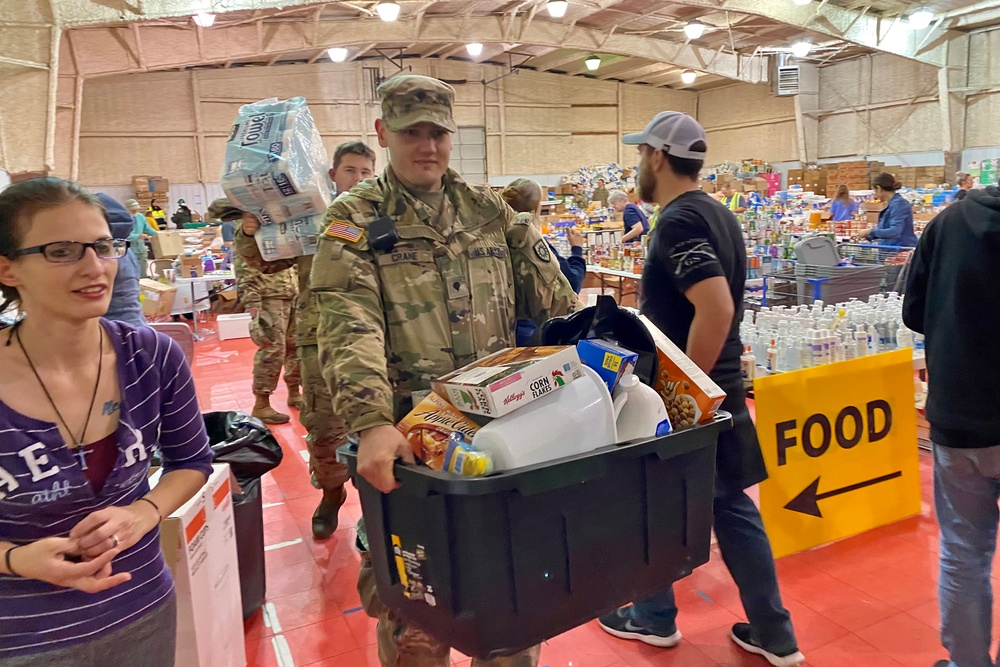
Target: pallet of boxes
857 176
166 244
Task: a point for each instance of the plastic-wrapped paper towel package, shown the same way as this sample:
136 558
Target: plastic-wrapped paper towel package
276 167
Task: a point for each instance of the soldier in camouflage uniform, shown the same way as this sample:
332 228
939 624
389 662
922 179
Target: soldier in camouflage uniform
580 198
394 316
270 300
353 161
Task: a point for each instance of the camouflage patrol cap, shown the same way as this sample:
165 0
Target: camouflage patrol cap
223 209
409 99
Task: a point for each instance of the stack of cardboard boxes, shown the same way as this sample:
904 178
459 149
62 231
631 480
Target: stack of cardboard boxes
148 188
858 175
855 175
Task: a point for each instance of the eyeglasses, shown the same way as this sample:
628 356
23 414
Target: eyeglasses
64 252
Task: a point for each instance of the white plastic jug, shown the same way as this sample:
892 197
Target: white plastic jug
638 409
574 419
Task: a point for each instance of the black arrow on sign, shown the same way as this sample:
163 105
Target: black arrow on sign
807 502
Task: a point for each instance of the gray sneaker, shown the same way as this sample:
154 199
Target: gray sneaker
619 624
743 637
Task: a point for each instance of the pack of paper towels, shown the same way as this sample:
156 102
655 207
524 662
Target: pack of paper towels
277 168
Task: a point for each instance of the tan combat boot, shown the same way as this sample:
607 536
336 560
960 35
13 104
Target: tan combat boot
263 411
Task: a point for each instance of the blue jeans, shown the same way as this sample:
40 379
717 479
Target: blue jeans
966 491
747 553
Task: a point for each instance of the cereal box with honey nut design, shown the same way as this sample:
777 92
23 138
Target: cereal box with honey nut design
509 379
428 427
690 395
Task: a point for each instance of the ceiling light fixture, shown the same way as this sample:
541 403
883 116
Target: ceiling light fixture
475 49
802 3
204 19
921 18
689 76
801 49
592 63
695 29
387 11
338 54
557 8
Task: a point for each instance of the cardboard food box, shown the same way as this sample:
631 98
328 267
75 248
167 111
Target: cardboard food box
167 245
159 185
157 298
611 362
199 545
140 183
690 395
191 267
429 426
507 380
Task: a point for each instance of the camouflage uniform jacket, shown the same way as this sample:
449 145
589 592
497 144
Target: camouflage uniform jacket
254 286
390 322
246 248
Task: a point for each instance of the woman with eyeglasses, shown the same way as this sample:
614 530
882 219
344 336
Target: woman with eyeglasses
84 404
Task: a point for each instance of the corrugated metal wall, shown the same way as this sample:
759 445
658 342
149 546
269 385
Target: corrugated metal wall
159 123
983 112
748 121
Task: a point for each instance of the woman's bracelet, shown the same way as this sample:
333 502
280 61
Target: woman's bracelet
6 560
155 506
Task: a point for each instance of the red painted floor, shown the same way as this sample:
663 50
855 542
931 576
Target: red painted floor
868 601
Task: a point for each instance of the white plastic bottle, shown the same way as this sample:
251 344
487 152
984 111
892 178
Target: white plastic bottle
904 337
748 367
861 342
816 346
772 357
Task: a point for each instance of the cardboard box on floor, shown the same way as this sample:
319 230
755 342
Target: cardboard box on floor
199 544
157 298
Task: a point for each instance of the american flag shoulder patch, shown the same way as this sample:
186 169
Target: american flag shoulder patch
342 230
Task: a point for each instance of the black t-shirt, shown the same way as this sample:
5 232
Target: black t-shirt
695 238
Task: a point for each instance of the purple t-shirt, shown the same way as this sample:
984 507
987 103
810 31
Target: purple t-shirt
44 493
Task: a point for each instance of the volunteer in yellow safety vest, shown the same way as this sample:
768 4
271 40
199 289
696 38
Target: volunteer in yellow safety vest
732 200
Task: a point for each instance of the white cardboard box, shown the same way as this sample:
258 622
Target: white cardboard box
199 543
233 326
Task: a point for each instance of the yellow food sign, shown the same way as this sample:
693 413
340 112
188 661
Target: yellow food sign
840 442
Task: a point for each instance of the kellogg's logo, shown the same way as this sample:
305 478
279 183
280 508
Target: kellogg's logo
513 398
557 377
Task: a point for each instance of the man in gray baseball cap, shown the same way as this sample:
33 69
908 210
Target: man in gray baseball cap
692 289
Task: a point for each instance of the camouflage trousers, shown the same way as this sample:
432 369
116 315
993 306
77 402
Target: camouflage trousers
273 331
326 431
400 645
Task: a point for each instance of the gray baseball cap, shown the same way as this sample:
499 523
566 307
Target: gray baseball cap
674 132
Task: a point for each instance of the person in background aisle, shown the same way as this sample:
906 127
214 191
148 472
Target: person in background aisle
964 182
895 221
692 289
270 300
952 298
601 193
842 207
580 198
353 161
182 216
85 403
733 200
636 222
525 197
158 215
125 305
390 321
141 232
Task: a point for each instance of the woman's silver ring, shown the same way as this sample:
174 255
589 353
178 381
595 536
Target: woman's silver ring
115 538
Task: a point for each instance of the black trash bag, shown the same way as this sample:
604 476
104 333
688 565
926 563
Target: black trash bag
244 442
608 322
